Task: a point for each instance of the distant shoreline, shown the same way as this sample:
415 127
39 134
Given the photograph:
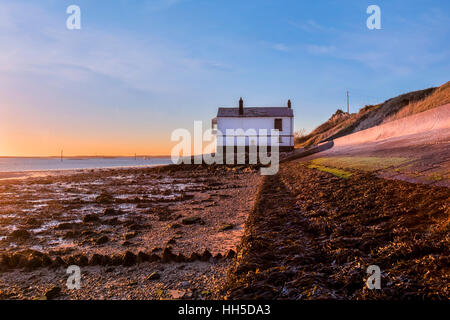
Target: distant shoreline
24 174
80 157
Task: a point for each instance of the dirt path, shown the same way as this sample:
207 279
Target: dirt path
312 235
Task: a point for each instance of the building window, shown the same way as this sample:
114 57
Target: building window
278 124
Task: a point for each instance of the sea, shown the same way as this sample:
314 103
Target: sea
8 164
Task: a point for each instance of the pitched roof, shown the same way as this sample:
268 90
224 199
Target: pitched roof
256 112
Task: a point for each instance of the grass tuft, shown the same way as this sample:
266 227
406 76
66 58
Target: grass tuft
334 171
361 163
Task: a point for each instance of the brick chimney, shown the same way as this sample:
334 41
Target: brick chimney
241 107
289 104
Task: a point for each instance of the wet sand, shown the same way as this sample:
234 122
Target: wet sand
17 175
182 223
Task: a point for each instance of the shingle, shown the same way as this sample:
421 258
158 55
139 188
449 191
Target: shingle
256 112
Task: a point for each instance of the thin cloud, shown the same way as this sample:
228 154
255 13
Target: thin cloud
53 51
400 50
158 5
280 47
310 26
320 49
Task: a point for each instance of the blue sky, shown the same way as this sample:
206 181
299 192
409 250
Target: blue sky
139 69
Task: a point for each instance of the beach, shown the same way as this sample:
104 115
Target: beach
136 233
318 242
222 232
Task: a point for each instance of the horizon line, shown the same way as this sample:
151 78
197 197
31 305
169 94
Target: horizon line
90 156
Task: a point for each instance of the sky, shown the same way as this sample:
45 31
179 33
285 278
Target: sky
139 69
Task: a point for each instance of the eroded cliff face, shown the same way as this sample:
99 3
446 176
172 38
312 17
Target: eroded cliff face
342 123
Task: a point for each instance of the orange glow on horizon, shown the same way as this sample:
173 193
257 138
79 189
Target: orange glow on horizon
32 135
19 143
25 146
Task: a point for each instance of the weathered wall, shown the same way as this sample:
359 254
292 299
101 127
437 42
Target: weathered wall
255 123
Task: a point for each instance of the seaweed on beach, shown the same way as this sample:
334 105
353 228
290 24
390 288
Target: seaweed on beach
319 240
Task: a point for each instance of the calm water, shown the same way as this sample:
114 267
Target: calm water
38 164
